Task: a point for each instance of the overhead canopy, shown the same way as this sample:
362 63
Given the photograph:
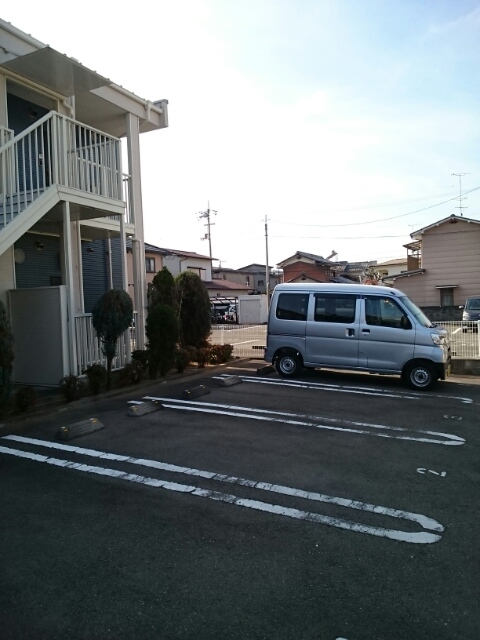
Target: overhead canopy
56 71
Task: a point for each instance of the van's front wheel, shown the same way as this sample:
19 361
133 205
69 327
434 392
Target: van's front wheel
288 364
421 376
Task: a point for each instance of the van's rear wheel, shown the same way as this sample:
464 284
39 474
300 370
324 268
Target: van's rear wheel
421 376
288 364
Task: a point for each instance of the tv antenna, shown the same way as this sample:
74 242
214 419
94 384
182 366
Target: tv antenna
208 236
459 176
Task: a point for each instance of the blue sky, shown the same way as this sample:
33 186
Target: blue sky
340 121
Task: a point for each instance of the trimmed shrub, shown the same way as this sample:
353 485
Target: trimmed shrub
183 357
142 356
220 353
162 289
97 377
202 356
162 333
72 388
111 316
194 310
131 373
26 399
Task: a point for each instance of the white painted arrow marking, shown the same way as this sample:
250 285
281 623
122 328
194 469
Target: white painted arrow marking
423 471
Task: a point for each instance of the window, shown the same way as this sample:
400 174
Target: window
292 306
446 297
150 265
383 312
335 308
261 283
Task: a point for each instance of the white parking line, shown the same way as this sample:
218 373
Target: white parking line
431 528
396 433
384 393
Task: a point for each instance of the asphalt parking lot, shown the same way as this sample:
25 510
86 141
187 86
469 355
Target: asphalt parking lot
331 506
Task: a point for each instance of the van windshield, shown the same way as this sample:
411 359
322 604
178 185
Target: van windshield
417 313
473 303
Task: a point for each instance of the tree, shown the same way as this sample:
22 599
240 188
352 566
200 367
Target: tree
111 316
6 356
194 310
371 276
163 289
162 333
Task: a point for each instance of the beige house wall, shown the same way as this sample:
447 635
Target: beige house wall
450 256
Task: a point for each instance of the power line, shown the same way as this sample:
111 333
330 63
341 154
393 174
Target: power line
375 206
354 224
338 237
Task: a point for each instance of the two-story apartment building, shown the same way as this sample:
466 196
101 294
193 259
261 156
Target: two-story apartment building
67 204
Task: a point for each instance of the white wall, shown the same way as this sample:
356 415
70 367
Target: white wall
178 264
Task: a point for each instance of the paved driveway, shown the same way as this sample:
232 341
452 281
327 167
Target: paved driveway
333 506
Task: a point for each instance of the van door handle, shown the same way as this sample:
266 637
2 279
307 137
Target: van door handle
349 332
365 330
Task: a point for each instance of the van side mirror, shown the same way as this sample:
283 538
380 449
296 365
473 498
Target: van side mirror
405 323
461 306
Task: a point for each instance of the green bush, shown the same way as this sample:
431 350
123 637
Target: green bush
183 357
220 353
26 399
72 388
194 310
111 316
162 333
202 356
97 377
141 356
162 289
131 373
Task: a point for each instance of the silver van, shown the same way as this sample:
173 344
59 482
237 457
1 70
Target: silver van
355 327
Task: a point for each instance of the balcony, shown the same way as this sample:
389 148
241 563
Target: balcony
59 159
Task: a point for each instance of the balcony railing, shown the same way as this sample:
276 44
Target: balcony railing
89 347
57 150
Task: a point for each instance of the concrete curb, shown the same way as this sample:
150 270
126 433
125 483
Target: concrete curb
58 404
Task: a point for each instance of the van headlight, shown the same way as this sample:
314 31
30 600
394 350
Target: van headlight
437 338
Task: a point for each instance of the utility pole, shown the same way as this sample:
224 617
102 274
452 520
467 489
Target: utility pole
459 176
208 235
267 270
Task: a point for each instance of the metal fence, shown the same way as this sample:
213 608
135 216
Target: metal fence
250 340
464 338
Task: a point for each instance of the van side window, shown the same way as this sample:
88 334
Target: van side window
292 306
383 312
333 308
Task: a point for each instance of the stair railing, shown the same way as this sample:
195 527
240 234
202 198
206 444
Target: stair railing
57 150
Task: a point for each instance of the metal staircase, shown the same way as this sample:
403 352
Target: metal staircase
51 158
